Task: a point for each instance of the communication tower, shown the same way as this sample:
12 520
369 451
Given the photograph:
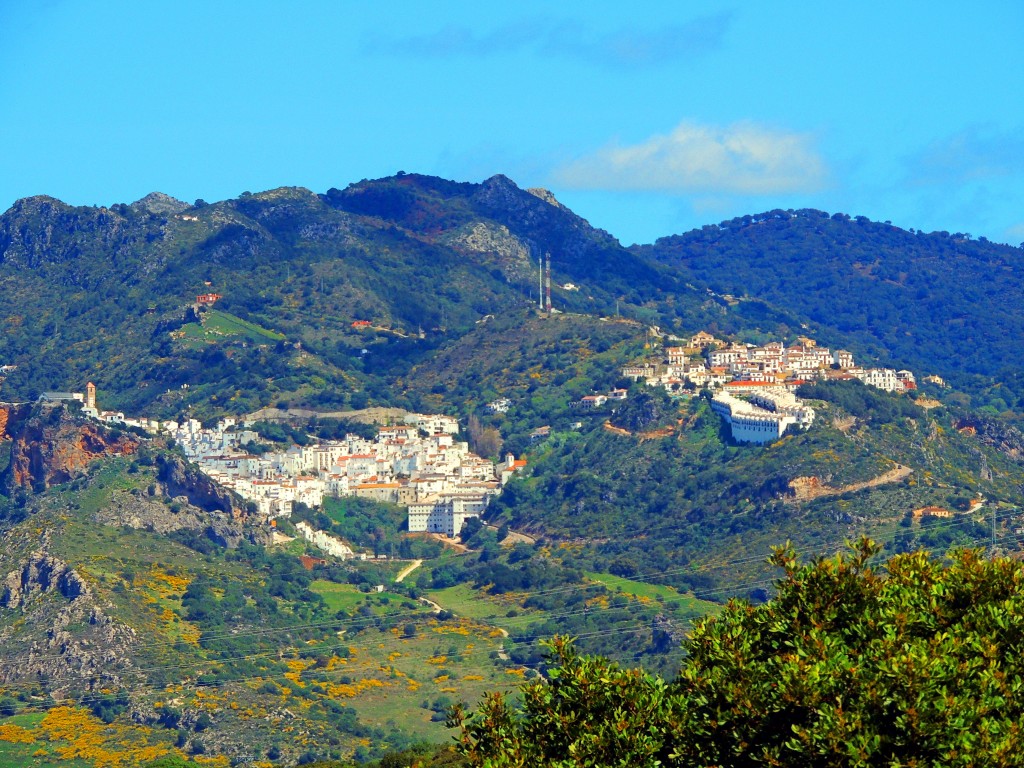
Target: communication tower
547 285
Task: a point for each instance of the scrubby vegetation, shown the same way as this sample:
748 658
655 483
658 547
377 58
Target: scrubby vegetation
907 664
630 522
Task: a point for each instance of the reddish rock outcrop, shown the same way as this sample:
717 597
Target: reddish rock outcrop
11 414
51 446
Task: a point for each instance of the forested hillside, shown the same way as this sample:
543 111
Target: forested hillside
107 294
630 518
934 302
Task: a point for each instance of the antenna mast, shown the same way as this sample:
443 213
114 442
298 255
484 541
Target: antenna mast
547 285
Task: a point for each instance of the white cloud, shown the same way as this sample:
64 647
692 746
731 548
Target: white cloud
744 158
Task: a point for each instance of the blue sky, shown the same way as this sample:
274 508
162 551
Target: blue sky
646 118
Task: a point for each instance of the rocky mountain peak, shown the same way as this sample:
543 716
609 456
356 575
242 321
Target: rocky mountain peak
547 196
158 203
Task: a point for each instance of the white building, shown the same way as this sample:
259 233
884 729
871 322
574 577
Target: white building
445 514
883 378
749 423
501 405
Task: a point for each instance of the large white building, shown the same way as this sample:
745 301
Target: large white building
780 400
445 514
750 423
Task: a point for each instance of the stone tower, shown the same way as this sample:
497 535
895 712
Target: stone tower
90 395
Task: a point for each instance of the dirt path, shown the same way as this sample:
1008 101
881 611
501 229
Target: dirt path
451 543
653 434
407 570
437 608
809 488
514 537
617 430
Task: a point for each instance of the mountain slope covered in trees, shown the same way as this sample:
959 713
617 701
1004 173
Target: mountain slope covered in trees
420 293
105 294
936 302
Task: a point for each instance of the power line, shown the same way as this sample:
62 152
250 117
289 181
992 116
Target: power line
394 618
649 578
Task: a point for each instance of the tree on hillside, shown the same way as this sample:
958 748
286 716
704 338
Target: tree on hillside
915 663
483 441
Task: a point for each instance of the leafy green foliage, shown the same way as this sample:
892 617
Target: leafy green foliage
917 300
416 756
646 409
589 712
916 663
857 399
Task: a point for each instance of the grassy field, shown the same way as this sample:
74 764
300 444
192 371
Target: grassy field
415 666
348 598
655 592
339 597
218 325
463 600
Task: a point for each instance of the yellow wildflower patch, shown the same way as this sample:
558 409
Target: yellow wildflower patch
218 761
190 633
354 689
75 734
16 734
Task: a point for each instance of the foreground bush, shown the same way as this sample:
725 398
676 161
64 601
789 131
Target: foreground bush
915 663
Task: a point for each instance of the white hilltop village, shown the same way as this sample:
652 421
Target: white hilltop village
753 386
418 464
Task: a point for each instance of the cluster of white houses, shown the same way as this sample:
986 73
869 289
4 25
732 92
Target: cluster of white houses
418 464
754 385
711 362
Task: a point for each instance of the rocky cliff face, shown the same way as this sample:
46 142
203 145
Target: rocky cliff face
39 576
51 446
494 244
992 432
64 639
152 513
11 414
180 479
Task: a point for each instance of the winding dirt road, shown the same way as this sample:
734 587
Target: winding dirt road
407 570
